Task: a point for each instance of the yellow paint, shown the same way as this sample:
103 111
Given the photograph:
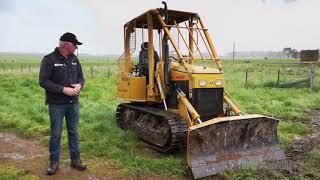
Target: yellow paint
186 110
211 80
194 69
132 88
228 118
183 113
123 86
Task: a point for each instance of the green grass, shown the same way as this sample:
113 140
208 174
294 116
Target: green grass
289 130
22 110
252 173
312 165
9 172
309 170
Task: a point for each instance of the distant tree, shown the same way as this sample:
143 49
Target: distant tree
287 51
295 54
290 53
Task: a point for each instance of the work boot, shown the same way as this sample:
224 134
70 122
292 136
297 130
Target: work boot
78 164
54 166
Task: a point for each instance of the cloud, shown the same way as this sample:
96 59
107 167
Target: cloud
5 6
290 1
253 24
286 1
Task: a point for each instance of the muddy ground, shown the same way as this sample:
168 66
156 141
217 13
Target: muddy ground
32 158
298 151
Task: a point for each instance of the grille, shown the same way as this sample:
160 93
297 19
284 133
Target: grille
208 102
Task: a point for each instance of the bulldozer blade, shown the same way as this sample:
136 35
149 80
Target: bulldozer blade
229 142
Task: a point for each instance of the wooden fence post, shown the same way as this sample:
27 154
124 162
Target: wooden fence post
312 76
278 82
262 69
246 77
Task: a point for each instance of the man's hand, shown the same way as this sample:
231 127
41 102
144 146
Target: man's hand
76 87
70 91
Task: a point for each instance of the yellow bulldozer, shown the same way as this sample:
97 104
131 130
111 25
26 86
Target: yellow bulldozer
176 101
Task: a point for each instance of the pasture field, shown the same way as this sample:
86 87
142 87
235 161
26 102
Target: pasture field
23 111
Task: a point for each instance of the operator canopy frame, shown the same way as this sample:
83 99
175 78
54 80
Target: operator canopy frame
173 15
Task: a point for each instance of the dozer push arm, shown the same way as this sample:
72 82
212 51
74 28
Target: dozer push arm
162 95
227 99
195 117
194 114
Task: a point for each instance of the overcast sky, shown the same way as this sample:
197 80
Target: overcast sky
36 25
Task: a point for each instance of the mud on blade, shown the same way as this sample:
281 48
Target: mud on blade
229 142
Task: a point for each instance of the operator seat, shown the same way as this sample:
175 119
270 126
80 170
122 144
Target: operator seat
143 64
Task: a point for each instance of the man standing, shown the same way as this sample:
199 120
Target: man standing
62 78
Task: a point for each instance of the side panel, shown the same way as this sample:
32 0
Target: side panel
123 87
178 76
138 89
132 88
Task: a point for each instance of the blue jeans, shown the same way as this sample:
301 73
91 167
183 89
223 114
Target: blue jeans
57 112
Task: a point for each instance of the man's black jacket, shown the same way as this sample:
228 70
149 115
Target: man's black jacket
57 72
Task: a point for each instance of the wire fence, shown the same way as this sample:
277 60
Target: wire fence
269 74
107 71
289 74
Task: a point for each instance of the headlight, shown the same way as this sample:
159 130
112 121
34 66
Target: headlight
203 83
219 82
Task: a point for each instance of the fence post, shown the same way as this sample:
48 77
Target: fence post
91 71
312 76
108 73
29 68
262 69
246 77
278 82
21 67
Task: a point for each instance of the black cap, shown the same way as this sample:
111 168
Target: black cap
69 37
